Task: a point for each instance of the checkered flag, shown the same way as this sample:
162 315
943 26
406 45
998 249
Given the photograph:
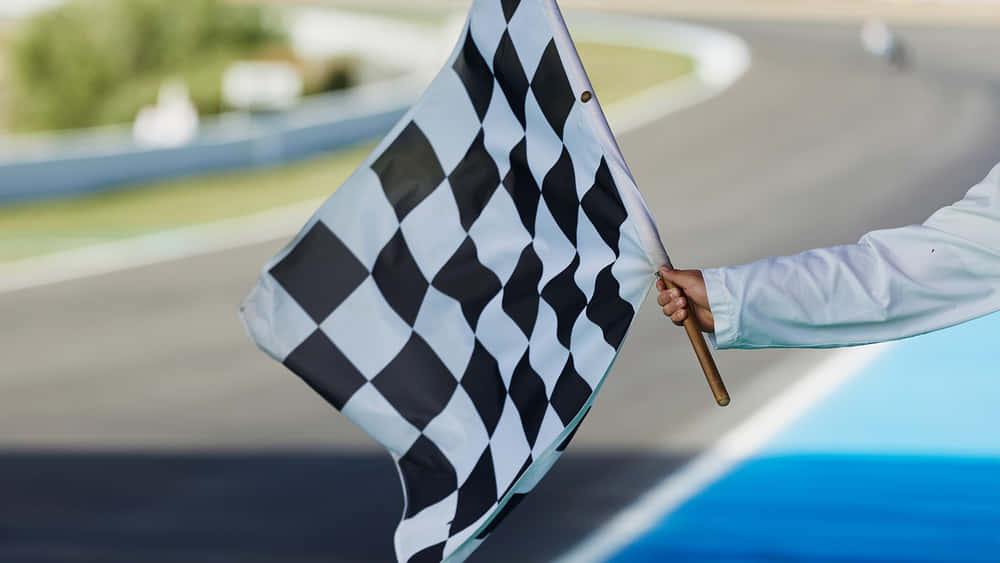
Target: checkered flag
463 295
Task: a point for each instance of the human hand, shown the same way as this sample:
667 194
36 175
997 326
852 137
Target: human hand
691 290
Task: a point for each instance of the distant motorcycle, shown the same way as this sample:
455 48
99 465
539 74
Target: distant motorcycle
879 40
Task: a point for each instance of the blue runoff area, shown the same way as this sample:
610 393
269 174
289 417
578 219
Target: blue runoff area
902 463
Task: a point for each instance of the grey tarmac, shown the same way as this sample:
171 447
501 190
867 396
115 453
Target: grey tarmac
138 423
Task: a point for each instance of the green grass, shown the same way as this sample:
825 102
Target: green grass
619 72
42 227
430 16
5 41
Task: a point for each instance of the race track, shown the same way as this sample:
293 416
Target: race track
139 423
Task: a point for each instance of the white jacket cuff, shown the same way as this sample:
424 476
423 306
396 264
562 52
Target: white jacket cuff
725 309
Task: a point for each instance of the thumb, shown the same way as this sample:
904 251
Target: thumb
683 279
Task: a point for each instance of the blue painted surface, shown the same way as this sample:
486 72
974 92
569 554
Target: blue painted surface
902 463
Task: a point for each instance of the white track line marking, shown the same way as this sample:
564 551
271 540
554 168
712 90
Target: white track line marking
735 447
155 248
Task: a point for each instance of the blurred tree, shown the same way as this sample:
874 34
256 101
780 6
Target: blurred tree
93 62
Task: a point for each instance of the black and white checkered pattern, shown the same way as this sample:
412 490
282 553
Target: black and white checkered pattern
463 294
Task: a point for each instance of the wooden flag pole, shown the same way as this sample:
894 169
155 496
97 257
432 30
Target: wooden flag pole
704 354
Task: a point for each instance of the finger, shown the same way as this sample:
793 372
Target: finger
673 306
670 308
675 277
679 317
667 296
665 275
660 286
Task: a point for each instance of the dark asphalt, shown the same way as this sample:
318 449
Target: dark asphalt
137 422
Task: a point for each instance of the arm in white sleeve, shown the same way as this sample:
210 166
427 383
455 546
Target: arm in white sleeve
892 284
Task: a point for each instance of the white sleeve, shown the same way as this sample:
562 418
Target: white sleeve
893 284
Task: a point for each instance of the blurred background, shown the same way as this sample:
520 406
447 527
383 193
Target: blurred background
154 153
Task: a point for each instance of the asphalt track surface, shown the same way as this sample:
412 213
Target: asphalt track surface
138 423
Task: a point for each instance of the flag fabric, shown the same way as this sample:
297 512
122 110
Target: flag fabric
463 295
